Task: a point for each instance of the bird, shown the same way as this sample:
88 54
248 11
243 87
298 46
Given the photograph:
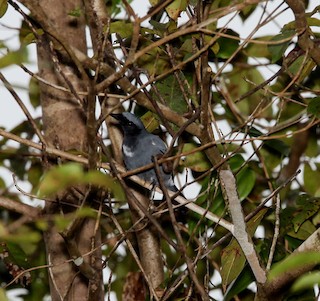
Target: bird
139 148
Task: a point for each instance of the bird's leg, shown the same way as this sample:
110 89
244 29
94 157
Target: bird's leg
167 167
153 190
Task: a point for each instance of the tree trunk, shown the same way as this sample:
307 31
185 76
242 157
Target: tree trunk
64 123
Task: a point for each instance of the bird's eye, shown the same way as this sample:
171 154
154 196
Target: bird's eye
130 123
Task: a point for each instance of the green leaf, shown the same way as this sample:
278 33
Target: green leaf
247 11
3 9
215 47
232 262
14 58
77 12
240 284
159 28
277 50
257 49
277 146
308 207
246 177
311 179
30 38
186 48
292 262
274 146
170 90
16 255
98 178
62 222
302 66
246 180
312 148
86 212
25 237
235 162
210 194
311 22
314 107
18 162
61 177
196 161
227 46
34 174
307 281
42 224
240 81
122 28
155 61
26 35
34 92
304 230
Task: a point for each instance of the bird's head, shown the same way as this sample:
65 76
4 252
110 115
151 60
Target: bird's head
130 124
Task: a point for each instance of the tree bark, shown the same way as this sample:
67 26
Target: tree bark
64 125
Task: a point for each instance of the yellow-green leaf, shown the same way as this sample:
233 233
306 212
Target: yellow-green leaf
14 58
3 296
34 92
3 9
60 177
150 121
154 2
175 8
122 28
311 179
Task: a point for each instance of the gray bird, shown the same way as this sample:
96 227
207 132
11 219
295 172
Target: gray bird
140 147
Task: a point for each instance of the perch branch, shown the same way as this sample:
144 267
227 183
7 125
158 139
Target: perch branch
303 31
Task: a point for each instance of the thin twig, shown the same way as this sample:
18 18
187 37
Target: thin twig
254 212
23 108
181 246
276 232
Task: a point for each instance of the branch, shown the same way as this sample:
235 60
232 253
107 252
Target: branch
181 246
148 239
303 31
47 150
276 232
188 203
134 254
84 267
229 187
276 285
19 207
23 108
41 17
140 97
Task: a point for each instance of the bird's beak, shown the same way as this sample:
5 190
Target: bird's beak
118 117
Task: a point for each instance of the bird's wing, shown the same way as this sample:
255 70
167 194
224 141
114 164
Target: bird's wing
157 144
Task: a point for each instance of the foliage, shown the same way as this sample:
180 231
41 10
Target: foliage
186 65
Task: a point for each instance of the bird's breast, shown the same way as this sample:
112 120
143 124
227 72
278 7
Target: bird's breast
127 151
